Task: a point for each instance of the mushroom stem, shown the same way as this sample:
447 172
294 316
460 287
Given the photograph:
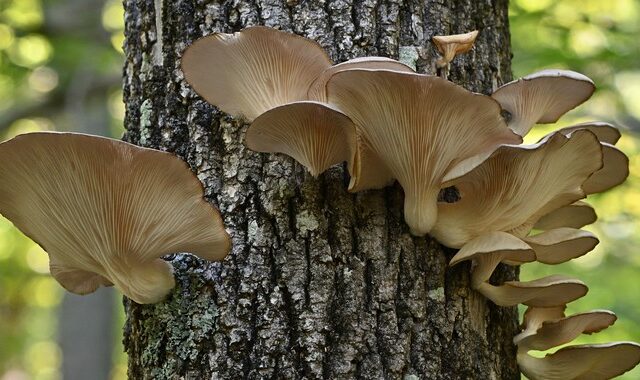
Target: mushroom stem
421 211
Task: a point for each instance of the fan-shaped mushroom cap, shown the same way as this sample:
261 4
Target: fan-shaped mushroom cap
605 132
516 186
318 90
544 292
252 71
561 245
534 317
556 333
542 97
106 211
615 170
416 126
506 246
575 215
450 46
585 362
313 133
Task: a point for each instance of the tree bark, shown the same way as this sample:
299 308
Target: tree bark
320 283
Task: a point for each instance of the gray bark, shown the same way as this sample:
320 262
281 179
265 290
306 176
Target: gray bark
320 283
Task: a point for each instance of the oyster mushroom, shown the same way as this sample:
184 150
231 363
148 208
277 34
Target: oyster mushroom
106 211
415 125
251 71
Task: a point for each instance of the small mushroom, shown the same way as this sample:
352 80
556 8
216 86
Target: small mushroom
592 361
558 332
576 215
516 186
544 292
313 133
534 317
252 71
106 211
561 245
542 97
415 126
489 250
452 45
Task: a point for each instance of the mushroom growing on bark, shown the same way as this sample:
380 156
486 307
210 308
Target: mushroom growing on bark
542 97
545 328
106 211
516 186
249 72
313 133
591 361
489 250
452 45
419 126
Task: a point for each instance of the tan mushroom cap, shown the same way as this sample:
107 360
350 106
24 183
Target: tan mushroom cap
575 215
452 45
252 71
548 291
561 244
585 362
615 171
556 333
317 90
507 247
415 125
534 317
516 186
542 97
314 134
605 132
106 211
367 170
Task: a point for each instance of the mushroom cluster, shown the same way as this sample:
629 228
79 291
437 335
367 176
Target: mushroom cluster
511 203
386 121
106 211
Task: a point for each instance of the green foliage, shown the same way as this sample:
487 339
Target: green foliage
599 39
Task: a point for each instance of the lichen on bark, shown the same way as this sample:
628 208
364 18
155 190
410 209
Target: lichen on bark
320 283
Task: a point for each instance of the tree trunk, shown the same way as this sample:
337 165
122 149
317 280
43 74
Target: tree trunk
320 283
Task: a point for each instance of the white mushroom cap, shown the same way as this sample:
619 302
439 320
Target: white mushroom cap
313 133
318 89
561 244
452 45
490 249
252 71
548 291
106 211
585 362
506 248
575 215
542 97
534 317
558 332
414 124
605 132
615 171
516 186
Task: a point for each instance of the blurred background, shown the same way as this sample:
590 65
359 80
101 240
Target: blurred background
60 69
